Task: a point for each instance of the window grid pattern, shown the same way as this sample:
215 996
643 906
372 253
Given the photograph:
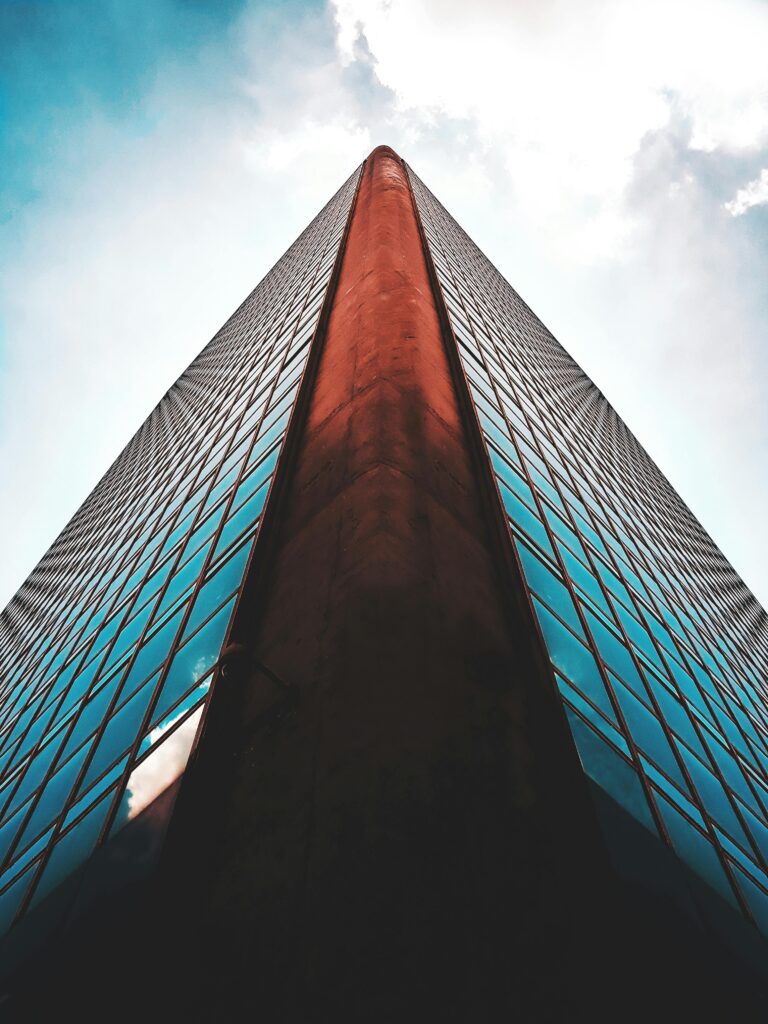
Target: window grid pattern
108 649
658 648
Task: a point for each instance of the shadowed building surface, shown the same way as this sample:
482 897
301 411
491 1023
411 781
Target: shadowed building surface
473 703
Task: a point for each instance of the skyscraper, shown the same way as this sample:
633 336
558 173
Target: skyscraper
473 708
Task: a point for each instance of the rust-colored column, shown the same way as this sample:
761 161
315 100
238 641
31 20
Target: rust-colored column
382 848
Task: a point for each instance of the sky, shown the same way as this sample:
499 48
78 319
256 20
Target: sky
158 156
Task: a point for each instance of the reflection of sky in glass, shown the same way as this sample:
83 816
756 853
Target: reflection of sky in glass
659 649
108 649
158 771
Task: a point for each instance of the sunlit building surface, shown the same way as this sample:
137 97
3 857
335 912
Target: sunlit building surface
482 506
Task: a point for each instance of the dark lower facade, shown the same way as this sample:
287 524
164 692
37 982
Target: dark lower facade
655 945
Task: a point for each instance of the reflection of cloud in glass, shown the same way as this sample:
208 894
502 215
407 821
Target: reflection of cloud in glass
163 766
201 666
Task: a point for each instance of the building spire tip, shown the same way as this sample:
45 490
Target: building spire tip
383 150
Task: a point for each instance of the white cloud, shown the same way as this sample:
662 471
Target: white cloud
567 91
754 193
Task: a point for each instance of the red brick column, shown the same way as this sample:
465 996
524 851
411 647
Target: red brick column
382 848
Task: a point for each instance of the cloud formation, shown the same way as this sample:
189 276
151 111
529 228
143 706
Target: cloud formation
754 193
564 93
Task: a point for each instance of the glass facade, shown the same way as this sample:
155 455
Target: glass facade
658 648
108 649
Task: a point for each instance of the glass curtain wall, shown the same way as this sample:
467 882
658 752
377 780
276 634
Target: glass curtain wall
657 647
108 649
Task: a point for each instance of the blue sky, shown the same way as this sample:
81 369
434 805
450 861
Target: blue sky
158 155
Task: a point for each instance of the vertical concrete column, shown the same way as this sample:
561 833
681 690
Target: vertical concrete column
383 849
